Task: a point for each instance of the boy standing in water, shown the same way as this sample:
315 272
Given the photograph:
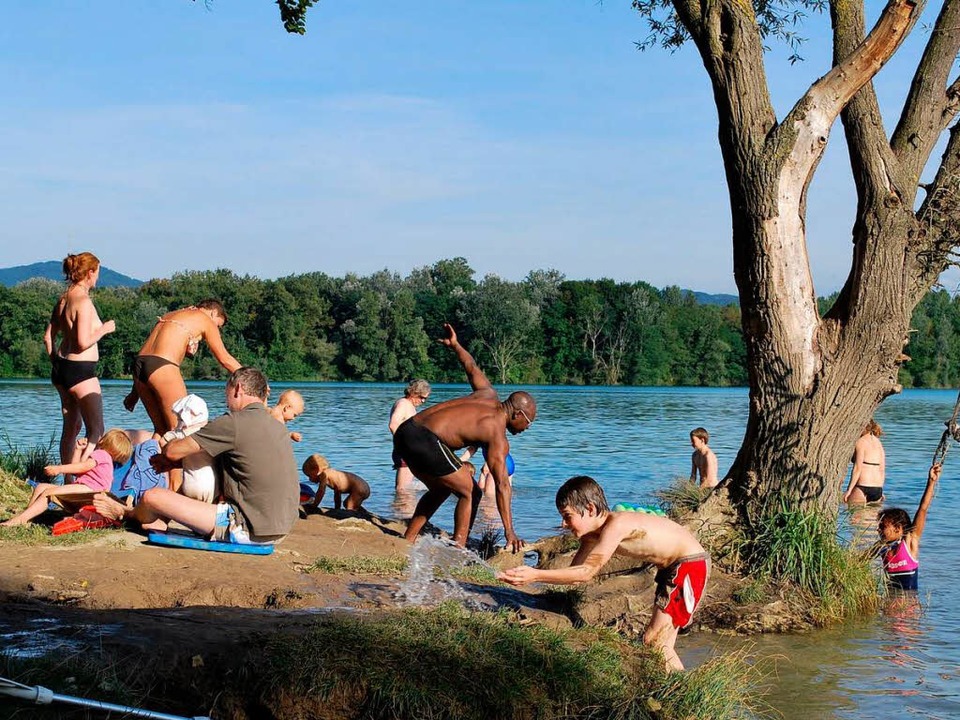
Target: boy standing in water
683 565
704 460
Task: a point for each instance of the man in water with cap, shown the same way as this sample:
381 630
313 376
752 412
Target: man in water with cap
428 440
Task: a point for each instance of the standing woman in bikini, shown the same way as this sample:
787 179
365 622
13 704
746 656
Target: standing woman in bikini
156 371
869 467
74 360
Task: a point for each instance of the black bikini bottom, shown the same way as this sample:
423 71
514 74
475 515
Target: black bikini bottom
873 493
67 373
146 365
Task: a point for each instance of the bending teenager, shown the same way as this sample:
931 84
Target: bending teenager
157 379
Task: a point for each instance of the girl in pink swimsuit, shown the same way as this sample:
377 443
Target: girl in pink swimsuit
901 538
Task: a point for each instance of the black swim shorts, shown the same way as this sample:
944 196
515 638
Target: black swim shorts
67 373
424 452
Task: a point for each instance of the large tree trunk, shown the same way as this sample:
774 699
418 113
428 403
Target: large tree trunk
814 382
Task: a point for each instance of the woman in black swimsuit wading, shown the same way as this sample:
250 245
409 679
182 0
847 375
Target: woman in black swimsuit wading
869 467
74 361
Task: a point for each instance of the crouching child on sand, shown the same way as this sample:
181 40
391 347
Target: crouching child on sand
683 565
354 487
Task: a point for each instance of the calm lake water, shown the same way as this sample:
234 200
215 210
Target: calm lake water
635 440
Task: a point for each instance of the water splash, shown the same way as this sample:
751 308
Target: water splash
432 573
44 636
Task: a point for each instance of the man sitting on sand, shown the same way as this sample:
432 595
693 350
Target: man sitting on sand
683 565
261 491
427 442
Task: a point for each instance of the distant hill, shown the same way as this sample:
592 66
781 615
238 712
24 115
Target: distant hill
720 299
53 270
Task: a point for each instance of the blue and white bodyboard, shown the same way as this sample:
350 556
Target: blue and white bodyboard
192 542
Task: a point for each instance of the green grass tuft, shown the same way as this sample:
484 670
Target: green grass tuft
359 565
38 534
681 497
26 462
475 573
14 494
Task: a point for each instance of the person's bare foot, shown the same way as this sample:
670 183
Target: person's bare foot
110 508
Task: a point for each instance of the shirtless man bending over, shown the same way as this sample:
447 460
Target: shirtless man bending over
428 440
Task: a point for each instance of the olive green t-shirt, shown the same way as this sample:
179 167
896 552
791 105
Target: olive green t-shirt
255 459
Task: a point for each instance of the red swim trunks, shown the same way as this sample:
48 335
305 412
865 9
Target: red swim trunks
680 587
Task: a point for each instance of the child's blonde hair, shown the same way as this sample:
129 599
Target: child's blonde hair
288 395
314 464
700 433
473 468
116 444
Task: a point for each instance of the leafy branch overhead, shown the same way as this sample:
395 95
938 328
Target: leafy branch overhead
293 13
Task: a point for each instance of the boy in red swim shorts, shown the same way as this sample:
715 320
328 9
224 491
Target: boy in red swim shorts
683 565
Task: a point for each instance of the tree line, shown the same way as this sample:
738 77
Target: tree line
383 327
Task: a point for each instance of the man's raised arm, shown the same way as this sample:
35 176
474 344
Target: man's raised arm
475 376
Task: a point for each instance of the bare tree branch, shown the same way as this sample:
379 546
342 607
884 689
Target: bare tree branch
814 114
931 105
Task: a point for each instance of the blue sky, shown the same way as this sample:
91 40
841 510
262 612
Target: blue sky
171 135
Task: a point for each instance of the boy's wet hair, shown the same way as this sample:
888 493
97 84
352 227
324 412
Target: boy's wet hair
116 444
580 491
314 464
700 433
215 305
898 517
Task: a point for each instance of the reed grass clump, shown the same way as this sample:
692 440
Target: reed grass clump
23 462
681 497
803 549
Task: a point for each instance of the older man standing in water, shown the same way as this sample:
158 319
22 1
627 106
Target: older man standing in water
427 442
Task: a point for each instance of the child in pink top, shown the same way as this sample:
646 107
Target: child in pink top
901 537
93 473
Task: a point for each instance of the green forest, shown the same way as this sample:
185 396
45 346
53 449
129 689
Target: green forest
383 327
